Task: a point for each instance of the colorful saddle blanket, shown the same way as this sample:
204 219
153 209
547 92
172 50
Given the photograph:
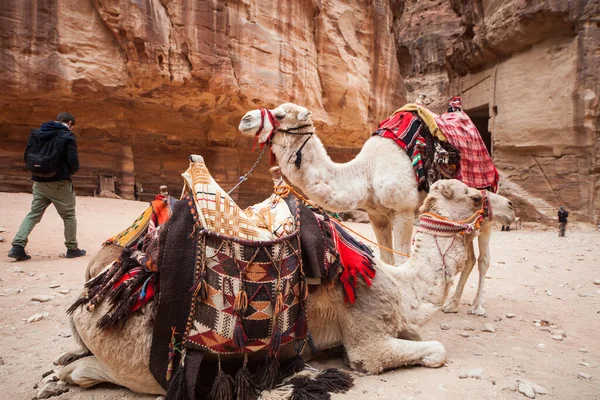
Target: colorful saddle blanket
476 167
446 146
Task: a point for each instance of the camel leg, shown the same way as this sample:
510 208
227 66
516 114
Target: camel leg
383 232
452 305
403 226
483 263
86 372
393 353
70 356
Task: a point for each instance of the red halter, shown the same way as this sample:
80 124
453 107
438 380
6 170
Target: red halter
274 124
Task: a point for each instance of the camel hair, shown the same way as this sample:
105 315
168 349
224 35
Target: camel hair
380 180
378 332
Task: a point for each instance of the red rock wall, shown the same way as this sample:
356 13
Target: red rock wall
171 78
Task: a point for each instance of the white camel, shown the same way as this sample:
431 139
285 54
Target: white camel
378 331
380 180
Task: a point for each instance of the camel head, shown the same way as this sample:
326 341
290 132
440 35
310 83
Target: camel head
267 123
502 209
452 199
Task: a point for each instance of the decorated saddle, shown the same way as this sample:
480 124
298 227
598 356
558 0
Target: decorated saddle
446 146
232 286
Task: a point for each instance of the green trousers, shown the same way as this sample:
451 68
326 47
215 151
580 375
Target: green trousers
62 195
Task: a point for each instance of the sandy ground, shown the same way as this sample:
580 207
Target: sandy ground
534 275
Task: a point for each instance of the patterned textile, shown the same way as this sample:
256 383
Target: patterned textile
131 235
219 213
157 214
428 118
405 129
476 167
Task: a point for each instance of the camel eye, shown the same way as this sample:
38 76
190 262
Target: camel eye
280 116
477 198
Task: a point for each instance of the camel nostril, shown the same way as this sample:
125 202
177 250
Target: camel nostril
510 204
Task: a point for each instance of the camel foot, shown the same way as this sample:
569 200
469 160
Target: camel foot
437 358
70 356
478 311
85 372
450 308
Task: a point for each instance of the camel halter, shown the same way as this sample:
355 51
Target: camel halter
264 112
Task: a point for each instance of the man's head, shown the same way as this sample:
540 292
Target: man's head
562 208
66 118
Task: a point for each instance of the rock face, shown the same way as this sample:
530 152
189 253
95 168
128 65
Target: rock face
528 70
152 82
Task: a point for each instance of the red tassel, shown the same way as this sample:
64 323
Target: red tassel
239 336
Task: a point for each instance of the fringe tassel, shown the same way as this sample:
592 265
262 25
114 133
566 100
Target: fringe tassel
301 324
292 367
178 386
171 354
244 385
222 388
78 303
278 305
275 343
335 380
241 302
267 377
239 336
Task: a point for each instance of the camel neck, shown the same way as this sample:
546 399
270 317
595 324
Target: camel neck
426 277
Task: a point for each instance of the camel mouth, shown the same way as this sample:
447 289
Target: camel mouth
247 127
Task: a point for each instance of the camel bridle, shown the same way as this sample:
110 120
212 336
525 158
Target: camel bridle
266 113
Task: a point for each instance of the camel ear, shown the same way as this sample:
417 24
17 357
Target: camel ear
447 191
428 204
304 115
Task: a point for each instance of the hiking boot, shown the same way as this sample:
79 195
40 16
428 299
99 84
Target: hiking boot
18 253
75 253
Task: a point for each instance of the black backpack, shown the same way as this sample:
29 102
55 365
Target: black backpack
43 157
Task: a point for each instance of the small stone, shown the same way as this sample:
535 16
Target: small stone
444 327
545 329
463 375
469 328
464 334
54 285
596 281
37 317
17 270
1 238
583 350
548 292
584 364
42 298
558 338
489 328
65 334
538 389
64 291
583 375
476 373
51 389
540 346
2 229
510 315
585 295
380 391
561 333
526 389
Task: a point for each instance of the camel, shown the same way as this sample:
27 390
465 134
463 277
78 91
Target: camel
380 180
379 331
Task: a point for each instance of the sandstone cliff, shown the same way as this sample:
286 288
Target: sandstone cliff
151 82
528 67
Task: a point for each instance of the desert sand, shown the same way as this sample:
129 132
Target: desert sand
541 301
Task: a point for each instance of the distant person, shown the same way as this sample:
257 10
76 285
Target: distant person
505 228
562 220
51 156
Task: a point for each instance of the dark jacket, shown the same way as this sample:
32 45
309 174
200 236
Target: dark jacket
66 145
562 215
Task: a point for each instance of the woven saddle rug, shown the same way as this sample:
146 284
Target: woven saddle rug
415 130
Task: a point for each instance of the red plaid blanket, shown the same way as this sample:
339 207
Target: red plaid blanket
476 167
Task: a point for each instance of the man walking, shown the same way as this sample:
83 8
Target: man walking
52 158
562 220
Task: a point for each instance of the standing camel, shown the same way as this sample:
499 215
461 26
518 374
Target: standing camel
380 180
